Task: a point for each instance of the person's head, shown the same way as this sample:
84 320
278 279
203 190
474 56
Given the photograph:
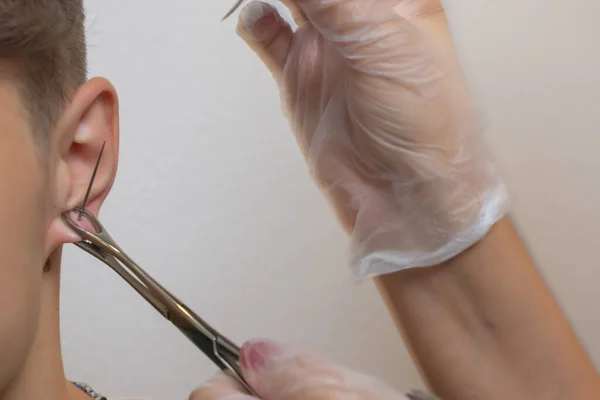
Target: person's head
53 123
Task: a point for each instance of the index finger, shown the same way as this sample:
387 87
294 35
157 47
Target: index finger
297 14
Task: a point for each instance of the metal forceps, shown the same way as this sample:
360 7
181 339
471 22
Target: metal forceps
97 242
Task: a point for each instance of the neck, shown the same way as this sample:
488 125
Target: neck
42 376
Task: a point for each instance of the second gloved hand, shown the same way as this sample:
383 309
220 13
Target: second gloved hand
387 126
280 373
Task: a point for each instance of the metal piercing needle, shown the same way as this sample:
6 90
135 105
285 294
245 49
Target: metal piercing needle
89 189
235 7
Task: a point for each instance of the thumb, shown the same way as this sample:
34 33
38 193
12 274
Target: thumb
266 33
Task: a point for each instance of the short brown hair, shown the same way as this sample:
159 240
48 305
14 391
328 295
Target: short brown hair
43 42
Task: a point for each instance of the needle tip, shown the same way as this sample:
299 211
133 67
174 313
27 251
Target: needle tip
89 189
232 10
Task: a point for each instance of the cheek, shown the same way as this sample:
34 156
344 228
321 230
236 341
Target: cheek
19 315
21 269
22 232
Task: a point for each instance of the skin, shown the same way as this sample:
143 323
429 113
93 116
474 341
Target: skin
501 349
509 338
35 191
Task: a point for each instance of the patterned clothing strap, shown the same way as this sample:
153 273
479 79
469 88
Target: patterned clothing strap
89 391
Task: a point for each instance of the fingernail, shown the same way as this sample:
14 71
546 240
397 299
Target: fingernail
257 18
256 354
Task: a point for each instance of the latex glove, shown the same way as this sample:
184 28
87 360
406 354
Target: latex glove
281 373
387 126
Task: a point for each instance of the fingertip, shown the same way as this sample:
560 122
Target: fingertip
267 33
257 20
257 354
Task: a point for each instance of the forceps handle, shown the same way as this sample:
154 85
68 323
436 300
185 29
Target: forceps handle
223 352
225 360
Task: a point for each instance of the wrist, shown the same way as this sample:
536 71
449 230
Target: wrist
423 228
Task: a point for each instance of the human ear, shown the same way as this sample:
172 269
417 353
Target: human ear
90 122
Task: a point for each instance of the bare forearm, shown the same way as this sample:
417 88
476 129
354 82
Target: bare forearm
485 326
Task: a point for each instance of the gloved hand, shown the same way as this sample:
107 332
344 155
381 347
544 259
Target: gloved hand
387 126
280 373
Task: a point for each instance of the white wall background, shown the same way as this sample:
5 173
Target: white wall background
214 200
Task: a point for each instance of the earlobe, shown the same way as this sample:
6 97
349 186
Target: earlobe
89 123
